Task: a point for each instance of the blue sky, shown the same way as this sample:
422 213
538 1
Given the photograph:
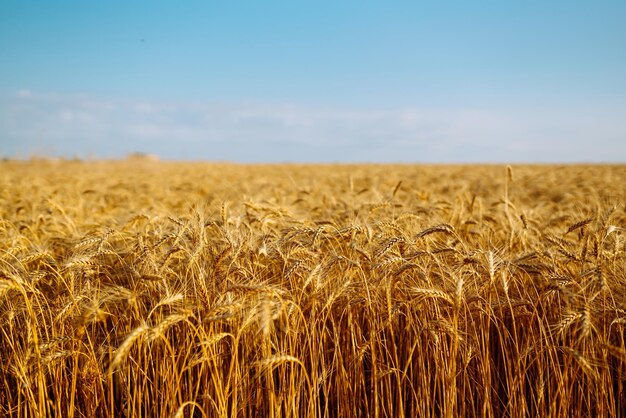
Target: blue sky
483 81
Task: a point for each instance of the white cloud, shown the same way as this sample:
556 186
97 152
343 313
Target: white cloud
144 108
73 115
81 125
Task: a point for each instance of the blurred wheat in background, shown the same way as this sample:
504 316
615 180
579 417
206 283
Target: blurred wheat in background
284 290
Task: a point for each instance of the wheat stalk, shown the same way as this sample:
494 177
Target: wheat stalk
124 349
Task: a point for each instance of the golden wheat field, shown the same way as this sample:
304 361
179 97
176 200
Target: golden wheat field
138 288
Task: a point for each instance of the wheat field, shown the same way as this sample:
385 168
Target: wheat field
138 288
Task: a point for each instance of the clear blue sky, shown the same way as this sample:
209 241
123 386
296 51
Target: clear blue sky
268 81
